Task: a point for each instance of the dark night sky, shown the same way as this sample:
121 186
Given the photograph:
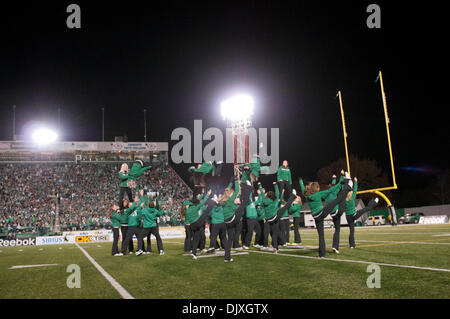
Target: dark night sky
179 59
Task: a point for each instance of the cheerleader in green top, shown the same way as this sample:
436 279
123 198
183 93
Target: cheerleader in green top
273 214
116 218
295 211
124 189
351 214
314 198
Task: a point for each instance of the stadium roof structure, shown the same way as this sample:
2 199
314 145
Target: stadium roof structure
13 146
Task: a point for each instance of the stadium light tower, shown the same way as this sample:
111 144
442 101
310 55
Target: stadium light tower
238 111
44 136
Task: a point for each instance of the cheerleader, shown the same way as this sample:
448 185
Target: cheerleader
252 221
124 189
351 214
150 227
198 180
124 225
314 198
136 171
295 211
191 212
284 179
334 212
116 217
218 228
273 214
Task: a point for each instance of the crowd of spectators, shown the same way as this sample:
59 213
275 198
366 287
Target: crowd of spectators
28 195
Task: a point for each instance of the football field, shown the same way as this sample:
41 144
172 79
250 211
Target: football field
413 261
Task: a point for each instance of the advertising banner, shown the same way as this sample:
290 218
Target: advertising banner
18 242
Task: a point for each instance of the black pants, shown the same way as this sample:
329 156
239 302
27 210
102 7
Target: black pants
199 224
202 243
244 229
320 216
221 231
124 190
213 233
259 239
337 230
273 228
252 225
237 235
134 230
148 232
124 230
284 231
284 185
115 244
297 238
351 221
188 238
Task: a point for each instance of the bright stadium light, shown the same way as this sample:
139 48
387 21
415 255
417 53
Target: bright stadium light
44 136
237 108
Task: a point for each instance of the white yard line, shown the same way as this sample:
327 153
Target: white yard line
357 261
30 266
125 294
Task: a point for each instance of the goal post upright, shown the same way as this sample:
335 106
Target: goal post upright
377 191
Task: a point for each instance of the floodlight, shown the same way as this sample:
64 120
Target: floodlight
44 136
237 108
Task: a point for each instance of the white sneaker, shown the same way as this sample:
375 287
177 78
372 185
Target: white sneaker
147 253
228 261
377 200
336 251
194 257
245 247
139 252
161 252
131 253
352 247
285 245
294 192
118 254
249 183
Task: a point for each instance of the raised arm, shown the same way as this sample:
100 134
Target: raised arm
236 191
302 186
355 189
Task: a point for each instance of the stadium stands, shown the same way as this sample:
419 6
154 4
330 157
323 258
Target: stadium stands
27 195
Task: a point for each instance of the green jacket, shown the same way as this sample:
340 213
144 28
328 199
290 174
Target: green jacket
284 174
260 211
192 213
315 200
333 195
230 207
216 215
136 171
205 168
295 210
123 179
150 216
255 168
116 219
134 216
270 206
350 207
251 208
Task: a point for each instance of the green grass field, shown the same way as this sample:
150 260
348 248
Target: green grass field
298 275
